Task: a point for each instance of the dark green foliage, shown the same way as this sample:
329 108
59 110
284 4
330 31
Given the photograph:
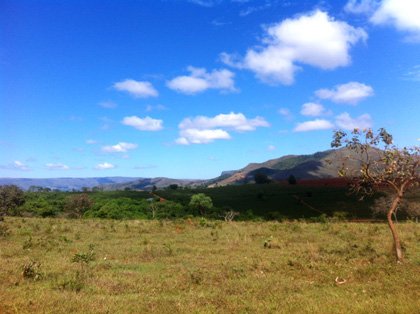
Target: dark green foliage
169 210
173 186
267 199
253 202
43 204
261 178
292 180
119 208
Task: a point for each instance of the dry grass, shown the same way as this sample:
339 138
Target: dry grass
100 266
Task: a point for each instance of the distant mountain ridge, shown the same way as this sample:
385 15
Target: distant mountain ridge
320 165
65 184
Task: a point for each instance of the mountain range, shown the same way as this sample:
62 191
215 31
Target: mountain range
320 165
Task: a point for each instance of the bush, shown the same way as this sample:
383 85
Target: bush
11 197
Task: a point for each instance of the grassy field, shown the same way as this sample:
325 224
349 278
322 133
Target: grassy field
200 266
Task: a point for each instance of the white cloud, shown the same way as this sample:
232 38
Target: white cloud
91 142
143 124
196 136
317 124
202 129
104 166
20 166
345 121
200 80
349 93
271 148
136 88
312 109
121 147
315 39
57 166
234 121
403 14
342 121
361 6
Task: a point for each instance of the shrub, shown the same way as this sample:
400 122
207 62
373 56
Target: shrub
31 270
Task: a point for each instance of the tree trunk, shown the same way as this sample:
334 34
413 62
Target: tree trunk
397 244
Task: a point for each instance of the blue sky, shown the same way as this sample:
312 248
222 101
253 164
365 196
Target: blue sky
187 89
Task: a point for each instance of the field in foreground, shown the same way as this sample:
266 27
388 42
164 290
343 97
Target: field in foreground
199 266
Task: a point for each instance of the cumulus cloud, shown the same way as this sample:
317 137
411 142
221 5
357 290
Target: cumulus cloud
313 125
234 121
402 14
349 93
196 136
200 80
138 89
143 124
315 39
104 166
312 109
202 129
121 147
345 121
342 121
57 166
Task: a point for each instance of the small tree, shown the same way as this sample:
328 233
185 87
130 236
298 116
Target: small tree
292 180
202 202
78 204
380 164
11 197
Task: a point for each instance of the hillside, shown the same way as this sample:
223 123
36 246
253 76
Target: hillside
320 165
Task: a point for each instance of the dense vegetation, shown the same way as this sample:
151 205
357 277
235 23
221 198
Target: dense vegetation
205 266
255 201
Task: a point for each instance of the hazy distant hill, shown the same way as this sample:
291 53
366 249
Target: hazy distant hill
148 183
64 184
